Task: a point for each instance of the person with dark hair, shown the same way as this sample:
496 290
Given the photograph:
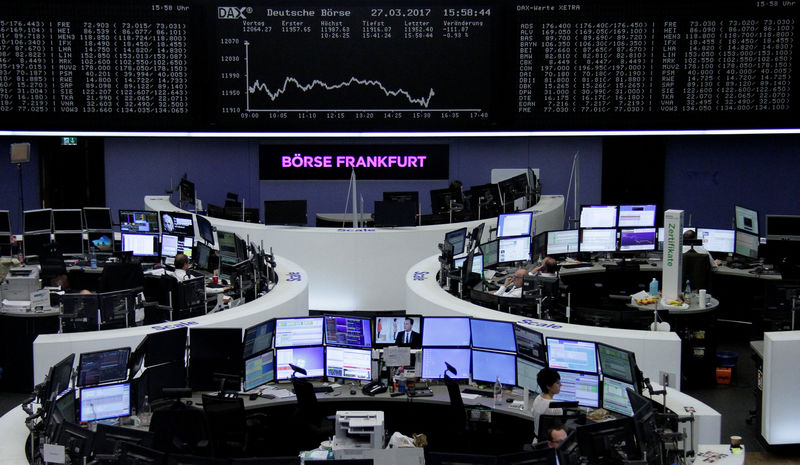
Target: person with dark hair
549 382
408 337
691 235
182 267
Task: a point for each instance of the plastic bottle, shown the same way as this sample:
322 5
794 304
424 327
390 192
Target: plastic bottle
687 291
654 287
498 392
92 258
145 414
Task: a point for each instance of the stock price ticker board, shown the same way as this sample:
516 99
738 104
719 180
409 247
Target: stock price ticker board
347 66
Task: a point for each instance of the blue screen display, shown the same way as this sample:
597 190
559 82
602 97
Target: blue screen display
433 366
497 335
259 370
488 366
572 355
310 358
452 332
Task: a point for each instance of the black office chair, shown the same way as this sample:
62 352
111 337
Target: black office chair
228 425
181 429
308 419
697 269
119 276
108 439
131 454
51 261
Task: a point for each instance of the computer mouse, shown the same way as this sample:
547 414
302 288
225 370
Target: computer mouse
352 392
254 396
509 400
653 264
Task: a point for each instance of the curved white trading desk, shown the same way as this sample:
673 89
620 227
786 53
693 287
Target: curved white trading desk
361 269
288 298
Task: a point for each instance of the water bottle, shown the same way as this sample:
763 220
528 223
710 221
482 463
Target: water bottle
92 258
498 392
687 291
654 287
145 413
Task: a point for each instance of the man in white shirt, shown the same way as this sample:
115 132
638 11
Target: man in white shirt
182 267
513 285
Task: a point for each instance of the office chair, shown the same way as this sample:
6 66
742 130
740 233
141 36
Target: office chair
454 424
228 425
180 429
131 454
119 276
697 269
108 439
308 418
51 261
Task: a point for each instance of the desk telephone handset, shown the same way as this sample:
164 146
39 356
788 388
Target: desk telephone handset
375 387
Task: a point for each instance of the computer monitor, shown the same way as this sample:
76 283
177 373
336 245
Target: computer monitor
598 240
604 442
311 359
568 354
105 401
142 245
527 372
348 331
442 199
661 235
105 366
446 332
202 257
66 405
494 335
615 396
513 187
259 370
514 249
459 240
562 242
227 243
118 307
583 388
77 438
97 218
204 229
568 452
484 198
177 223
637 239
404 196
258 338
294 332
717 240
476 235
746 219
286 212
186 189
102 242
514 224
67 220
5 222
783 227
138 222
598 216
389 329
433 362
617 363
165 346
530 343
80 311
489 366
477 263
61 376
746 244
173 245
637 216
213 351
69 243
33 244
394 214
489 252
348 363
35 221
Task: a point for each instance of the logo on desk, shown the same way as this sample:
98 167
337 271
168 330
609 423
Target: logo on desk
540 324
175 325
421 275
294 276
355 230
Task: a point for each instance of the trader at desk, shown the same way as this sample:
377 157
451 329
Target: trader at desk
549 382
690 235
513 285
408 337
182 272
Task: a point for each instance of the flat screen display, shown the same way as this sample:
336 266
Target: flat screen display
138 222
258 338
572 355
514 224
205 229
34 243
581 387
477 263
227 243
103 242
259 370
166 346
530 343
489 366
433 362
562 242
142 245
391 330
108 401
293 332
615 397
211 351
348 331
637 216
5 222
494 335
348 363
514 249
178 224
489 252
746 219
70 243
598 216
637 239
598 240
448 332
97 219
312 359
458 239
617 363
67 220
746 244
717 240
173 245
103 367
783 227
38 220
527 371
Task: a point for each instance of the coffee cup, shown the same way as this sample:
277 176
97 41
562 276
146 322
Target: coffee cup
736 442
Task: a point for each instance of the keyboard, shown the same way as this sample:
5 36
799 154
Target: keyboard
323 389
478 392
577 265
742 266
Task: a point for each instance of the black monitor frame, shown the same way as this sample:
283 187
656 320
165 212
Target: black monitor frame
96 235
460 233
112 304
186 191
402 319
469 328
442 200
81 308
166 346
490 205
389 214
173 229
34 243
151 222
338 344
70 243
739 208
269 327
631 363
593 439
402 196
37 218
204 229
513 188
214 351
5 222
783 228
541 356
94 219
83 369
286 212
252 356
490 259
68 216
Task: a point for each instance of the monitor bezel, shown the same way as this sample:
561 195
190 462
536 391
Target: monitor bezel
365 352
106 386
120 214
502 216
322 335
469 328
596 362
109 381
362 318
244 369
499 241
586 206
501 322
495 352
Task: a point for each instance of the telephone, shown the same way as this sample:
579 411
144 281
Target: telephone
375 387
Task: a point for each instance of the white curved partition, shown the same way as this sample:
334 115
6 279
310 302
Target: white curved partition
361 269
288 298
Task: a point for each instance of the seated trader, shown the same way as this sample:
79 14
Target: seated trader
182 272
555 436
548 267
690 235
549 382
513 285
408 337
